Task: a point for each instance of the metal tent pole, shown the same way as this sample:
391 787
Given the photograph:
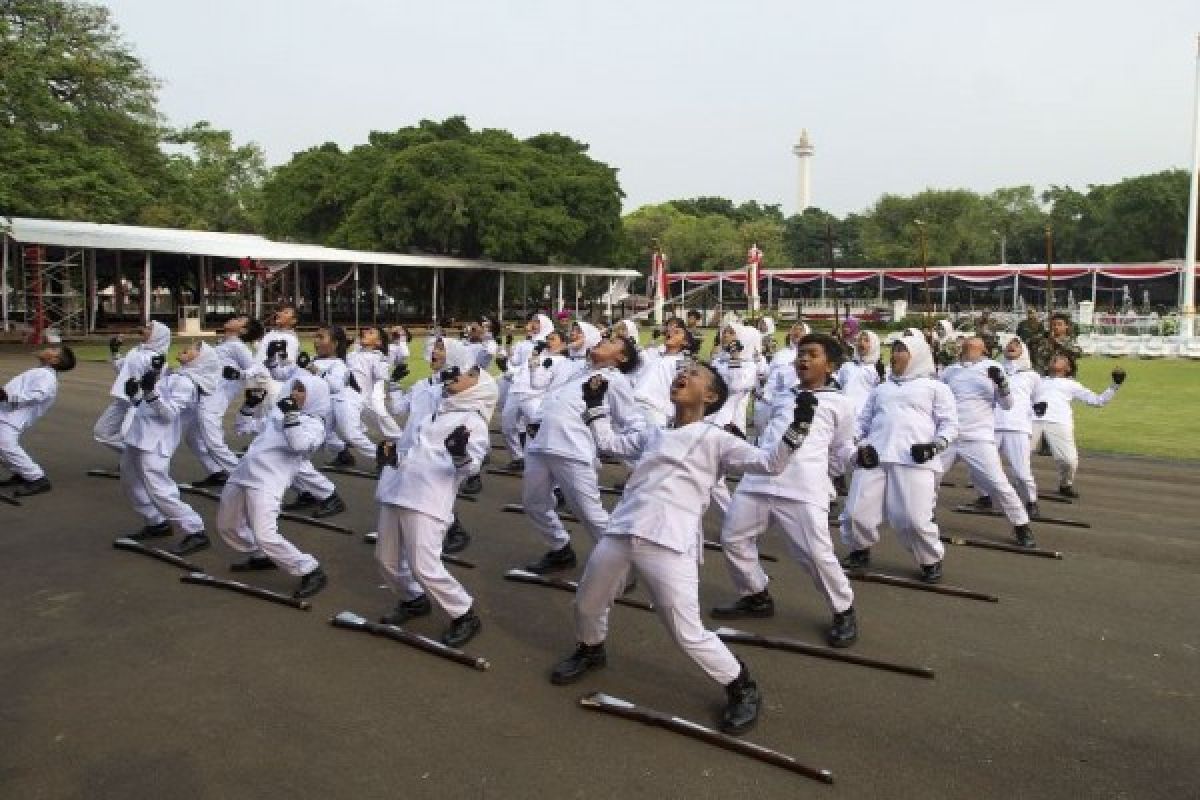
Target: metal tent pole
147 286
4 285
499 306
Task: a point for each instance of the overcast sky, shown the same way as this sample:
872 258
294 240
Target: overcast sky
691 97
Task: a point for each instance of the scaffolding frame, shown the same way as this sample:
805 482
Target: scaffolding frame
53 291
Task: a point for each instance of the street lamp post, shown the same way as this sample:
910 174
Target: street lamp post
924 246
1003 246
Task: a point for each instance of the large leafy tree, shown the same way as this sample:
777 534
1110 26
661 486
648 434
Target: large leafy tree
78 126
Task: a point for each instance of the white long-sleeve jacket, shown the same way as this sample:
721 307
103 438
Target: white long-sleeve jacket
671 484
652 387
517 372
857 380
158 423
899 414
30 395
278 451
288 337
1022 384
829 446
1058 393
976 397
563 432
427 478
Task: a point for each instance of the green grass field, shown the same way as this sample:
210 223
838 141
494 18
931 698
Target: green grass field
1151 415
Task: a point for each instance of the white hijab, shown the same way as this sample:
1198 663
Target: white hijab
545 328
458 354
317 402
1021 362
920 361
631 329
204 370
480 398
160 338
750 338
873 352
591 338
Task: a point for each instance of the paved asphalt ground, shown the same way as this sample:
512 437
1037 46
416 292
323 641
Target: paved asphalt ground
118 681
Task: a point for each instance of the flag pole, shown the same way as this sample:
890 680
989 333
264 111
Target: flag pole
1187 327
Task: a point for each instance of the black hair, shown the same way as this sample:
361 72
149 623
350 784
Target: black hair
383 336
1072 367
66 359
832 347
633 359
1061 315
690 344
675 321
720 387
254 331
338 334
694 313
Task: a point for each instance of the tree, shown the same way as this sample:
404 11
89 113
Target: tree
78 123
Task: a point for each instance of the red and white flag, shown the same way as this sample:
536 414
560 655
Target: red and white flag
658 273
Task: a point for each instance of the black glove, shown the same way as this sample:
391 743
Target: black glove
539 348
923 452
157 362
3 395
456 442
255 397
548 363
148 380
806 409
450 374
734 347
881 370
594 389
508 340
287 405
276 348
730 428
231 374
399 372
114 345
502 363
998 377
303 360
656 333
385 454
868 457
1118 376
1039 409
131 388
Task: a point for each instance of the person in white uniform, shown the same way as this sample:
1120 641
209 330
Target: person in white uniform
279 346
248 516
780 377
980 386
154 435
797 500
564 454
908 420
114 420
652 383
416 494
655 529
23 401
1055 422
237 361
515 367
313 489
1014 426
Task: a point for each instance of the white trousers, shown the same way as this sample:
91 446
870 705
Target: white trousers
13 456
987 473
248 521
579 485
410 546
1015 449
146 479
348 422
673 581
110 428
806 531
512 424
1061 441
762 417
902 495
211 418
310 479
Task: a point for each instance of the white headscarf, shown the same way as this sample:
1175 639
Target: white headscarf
1021 362
920 361
591 338
204 370
631 329
944 330
874 351
545 328
480 398
769 324
458 354
160 338
750 338
317 402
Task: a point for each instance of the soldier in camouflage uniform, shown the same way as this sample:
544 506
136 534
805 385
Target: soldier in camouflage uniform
1030 327
1060 341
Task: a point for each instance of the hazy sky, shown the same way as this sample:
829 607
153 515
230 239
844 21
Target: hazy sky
690 97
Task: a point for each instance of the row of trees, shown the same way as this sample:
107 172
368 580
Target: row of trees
81 138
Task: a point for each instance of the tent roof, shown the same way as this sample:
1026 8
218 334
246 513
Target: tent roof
66 233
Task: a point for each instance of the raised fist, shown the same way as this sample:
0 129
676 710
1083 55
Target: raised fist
114 345
539 348
655 334
548 363
303 360
508 340
231 374
997 375
594 389
1118 376
399 372
806 409
450 374
881 371
385 454
923 452
157 362
288 406
255 397
149 378
734 348
1040 409
131 388
867 457
456 442
276 348
502 363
